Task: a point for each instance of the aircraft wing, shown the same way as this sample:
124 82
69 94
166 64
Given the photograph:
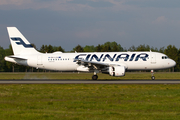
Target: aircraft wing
95 65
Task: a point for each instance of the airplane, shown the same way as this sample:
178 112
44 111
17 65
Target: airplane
112 63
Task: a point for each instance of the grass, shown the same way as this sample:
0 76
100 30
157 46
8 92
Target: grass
89 101
70 75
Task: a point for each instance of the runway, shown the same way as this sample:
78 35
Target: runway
42 81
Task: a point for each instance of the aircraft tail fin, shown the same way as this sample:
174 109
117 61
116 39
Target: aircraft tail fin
20 44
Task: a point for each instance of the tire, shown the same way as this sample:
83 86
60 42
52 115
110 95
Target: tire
153 78
94 77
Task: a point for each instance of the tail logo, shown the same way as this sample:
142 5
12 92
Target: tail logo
21 42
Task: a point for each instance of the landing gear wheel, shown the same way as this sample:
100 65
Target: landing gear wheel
152 74
94 77
153 78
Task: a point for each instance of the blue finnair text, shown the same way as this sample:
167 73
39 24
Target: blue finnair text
115 57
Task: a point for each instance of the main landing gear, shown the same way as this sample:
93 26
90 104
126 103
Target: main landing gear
152 75
95 77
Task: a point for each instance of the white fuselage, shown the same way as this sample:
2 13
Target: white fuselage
112 63
66 61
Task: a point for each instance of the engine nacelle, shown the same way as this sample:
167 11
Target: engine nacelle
117 71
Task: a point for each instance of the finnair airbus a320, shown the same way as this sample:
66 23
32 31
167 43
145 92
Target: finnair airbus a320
112 63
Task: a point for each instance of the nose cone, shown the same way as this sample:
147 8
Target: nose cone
172 63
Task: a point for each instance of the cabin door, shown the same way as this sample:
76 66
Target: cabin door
39 60
153 58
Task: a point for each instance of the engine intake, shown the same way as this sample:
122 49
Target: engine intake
117 71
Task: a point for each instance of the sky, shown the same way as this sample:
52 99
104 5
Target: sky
67 23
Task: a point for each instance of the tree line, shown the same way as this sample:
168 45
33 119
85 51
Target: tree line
171 51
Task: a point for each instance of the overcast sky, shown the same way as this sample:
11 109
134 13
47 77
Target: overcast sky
67 23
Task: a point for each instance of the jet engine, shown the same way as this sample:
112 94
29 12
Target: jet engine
117 71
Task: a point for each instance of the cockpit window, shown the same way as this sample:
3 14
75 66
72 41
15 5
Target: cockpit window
164 57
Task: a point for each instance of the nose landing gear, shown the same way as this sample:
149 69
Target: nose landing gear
152 75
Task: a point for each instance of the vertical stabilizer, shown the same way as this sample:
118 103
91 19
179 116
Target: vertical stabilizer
20 44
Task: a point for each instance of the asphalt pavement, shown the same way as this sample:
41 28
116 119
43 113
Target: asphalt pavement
46 81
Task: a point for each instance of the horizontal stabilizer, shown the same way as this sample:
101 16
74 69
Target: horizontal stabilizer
17 57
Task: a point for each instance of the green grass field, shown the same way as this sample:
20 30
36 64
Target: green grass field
70 75
89 101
